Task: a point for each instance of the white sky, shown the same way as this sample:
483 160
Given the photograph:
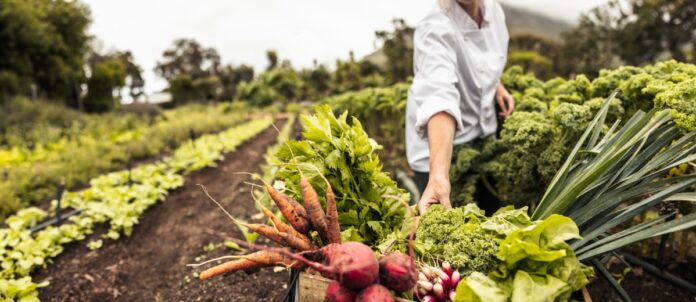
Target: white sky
242 30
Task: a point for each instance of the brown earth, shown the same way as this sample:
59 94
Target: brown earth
150 265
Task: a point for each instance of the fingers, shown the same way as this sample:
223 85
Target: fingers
510 103
507 105
424 204
504 110
445 202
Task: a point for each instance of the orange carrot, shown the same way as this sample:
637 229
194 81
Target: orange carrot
252 261
334 229
297 217
316 215
282 226
284 239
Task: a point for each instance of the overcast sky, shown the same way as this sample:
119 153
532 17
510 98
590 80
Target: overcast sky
242 30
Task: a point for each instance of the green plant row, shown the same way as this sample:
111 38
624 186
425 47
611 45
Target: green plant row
31 174
117 198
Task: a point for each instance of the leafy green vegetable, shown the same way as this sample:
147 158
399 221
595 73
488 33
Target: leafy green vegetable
465 237
536 265
347 157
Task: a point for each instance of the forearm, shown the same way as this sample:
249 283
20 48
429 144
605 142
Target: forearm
441 128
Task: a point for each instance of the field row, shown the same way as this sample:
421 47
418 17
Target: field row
117 198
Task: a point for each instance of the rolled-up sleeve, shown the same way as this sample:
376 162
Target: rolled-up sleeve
433 87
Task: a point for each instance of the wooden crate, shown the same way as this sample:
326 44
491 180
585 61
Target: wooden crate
311 288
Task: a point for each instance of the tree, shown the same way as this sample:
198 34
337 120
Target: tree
397 46
106 79
188 57
315 81
192 72
230 76
44 43
272 57
634 32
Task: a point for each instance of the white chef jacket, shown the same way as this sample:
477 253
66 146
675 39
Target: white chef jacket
457 68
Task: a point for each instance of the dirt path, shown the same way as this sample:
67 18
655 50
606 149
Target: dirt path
150 265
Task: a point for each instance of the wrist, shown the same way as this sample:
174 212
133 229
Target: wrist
438 176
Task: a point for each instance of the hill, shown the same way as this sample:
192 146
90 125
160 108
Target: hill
519 20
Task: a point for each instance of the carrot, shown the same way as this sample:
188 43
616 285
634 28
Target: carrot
282 238
282 226
332 216
316 215
252 261
291 210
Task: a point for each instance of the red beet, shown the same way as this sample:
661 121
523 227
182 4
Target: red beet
375 293
396 272
353 264
337 293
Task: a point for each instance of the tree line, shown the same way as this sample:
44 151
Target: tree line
47 53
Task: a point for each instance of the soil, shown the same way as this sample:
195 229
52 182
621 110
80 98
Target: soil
150 265
643 286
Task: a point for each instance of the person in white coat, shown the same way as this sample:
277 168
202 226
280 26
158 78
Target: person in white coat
460 51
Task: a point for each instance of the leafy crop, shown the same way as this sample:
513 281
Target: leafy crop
347 157
117 198
97 144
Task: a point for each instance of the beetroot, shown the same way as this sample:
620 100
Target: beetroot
396 272
337 293
375 293
352 264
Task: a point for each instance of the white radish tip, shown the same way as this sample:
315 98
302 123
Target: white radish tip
446 265
456 277
452 295
438 289
429 299
425 285
422 277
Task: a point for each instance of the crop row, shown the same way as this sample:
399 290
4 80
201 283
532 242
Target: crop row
30 174
117 198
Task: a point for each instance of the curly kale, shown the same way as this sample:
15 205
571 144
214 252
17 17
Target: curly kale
457 236
681 101
571 117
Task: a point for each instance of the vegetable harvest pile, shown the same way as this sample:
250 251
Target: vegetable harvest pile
343 217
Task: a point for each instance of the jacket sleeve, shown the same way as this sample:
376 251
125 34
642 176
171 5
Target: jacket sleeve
433 87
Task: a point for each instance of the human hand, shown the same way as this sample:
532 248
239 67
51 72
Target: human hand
436 192
505 101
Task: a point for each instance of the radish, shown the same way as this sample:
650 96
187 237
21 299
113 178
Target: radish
452 295
428 272
439 292
429 298
447 268
456 277
337 293
422 277
425 285
375 293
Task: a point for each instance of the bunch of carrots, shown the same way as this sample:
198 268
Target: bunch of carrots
301 221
